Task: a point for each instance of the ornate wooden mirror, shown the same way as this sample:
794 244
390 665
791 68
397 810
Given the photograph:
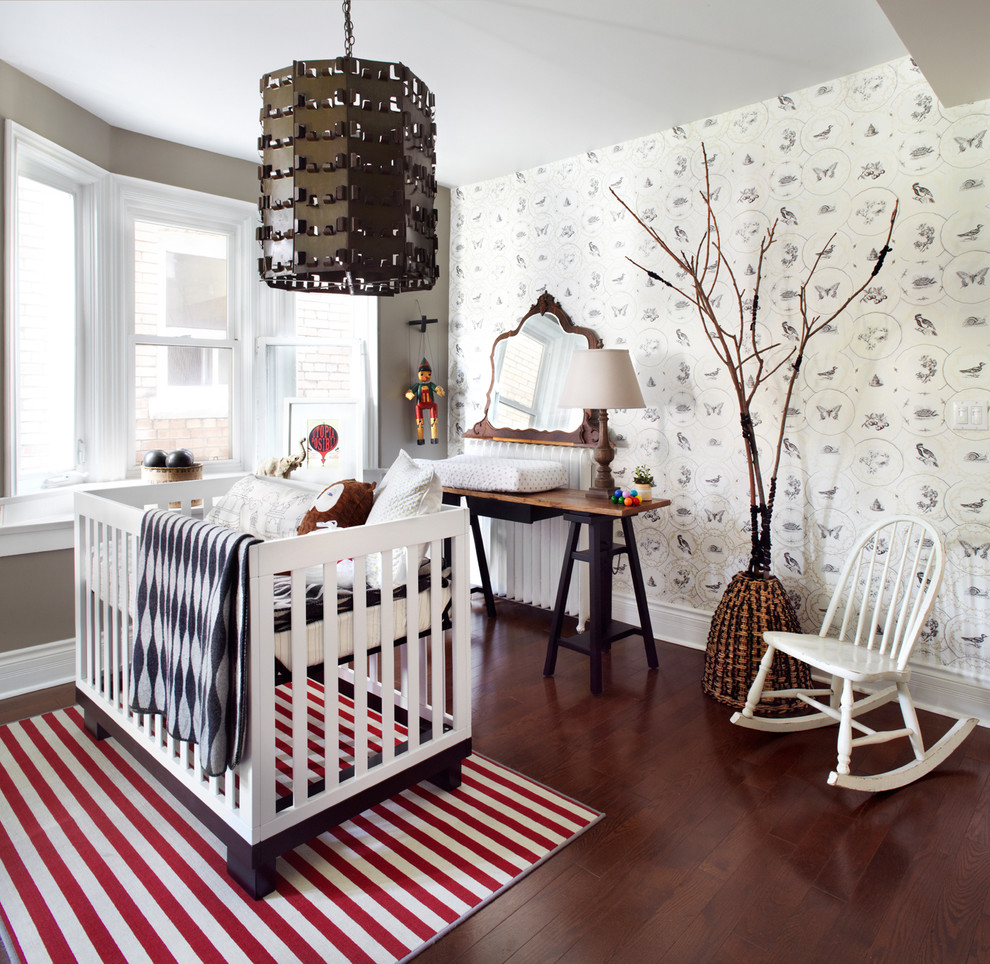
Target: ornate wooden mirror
529 365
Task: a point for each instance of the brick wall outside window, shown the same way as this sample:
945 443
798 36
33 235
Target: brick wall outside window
324 371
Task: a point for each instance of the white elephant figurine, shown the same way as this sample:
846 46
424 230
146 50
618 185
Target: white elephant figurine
282 468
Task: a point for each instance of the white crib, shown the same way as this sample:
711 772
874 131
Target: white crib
399 713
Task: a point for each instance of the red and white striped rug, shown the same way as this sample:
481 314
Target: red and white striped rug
97 862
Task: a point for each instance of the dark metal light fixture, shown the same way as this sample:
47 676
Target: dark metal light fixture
347 177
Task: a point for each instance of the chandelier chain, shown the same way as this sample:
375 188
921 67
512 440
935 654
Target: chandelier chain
348 30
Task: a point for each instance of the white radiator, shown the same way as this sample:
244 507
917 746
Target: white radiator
524 561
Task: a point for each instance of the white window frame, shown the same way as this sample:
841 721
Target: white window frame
35 157
201 396
138 200
105 321
278 310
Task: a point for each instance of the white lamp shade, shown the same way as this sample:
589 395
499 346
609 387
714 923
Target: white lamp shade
601 378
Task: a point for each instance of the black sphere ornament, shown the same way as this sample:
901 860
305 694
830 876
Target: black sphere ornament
155 459
179 459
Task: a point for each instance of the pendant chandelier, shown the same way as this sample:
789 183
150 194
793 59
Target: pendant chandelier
347 177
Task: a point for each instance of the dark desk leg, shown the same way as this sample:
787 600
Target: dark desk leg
450 498
557 623
600 579
486 582
640 590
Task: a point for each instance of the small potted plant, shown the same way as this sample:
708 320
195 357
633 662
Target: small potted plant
643 480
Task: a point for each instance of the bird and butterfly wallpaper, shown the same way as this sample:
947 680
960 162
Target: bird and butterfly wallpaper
871 427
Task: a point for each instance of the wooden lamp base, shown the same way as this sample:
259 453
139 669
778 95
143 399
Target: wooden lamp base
602 483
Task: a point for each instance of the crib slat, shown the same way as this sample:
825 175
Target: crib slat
436 638
130 561
104 611
413 679
113 567
331 701
120 606
387 662
460 632
184 755
360 604
300 694
411 607
262 706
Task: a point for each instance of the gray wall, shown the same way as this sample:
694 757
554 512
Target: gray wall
36 599
36 589
398 355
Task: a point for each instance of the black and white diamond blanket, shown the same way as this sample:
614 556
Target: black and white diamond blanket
190 648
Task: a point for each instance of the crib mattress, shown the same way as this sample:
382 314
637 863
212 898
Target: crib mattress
345 620
116 583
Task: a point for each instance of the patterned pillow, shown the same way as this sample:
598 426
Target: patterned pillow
410 488
340 505
266 507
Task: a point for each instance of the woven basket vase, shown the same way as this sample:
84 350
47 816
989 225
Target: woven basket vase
751 605
179 473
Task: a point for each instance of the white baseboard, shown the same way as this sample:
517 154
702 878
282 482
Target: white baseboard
37 667
939 689
933 688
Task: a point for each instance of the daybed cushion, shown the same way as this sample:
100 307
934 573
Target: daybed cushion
267 507
493 474
410 488
339 506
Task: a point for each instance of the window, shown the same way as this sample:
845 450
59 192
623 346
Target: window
187 263
323 349
45 331
136 321
183 350
52 199
109 356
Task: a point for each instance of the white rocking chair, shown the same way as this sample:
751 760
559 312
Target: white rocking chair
885 592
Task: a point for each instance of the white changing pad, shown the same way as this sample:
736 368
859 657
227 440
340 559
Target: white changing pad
490 474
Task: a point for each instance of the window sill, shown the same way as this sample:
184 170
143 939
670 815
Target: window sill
44 522
23 538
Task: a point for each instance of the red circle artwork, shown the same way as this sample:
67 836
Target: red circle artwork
323 438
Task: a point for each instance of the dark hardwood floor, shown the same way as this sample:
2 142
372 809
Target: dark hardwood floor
718 844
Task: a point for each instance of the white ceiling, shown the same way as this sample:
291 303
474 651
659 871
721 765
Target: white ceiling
517 82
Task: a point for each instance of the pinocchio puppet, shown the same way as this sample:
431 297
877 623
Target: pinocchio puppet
423 394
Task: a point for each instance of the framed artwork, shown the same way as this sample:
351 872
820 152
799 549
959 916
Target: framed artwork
332 434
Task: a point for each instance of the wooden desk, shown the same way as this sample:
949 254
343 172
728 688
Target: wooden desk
599 515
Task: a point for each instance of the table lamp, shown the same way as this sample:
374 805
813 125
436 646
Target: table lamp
601 378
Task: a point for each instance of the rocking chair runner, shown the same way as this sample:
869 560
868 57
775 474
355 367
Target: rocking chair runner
883 597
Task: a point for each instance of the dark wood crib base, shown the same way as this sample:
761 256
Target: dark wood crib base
253 865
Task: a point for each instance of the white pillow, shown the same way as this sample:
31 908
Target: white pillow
267 507
410 488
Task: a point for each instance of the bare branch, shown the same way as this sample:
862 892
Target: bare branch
748 370
656 277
